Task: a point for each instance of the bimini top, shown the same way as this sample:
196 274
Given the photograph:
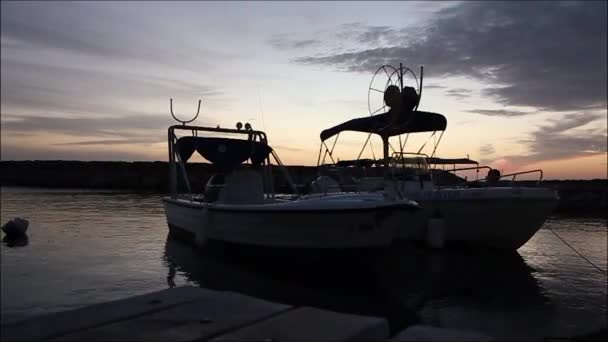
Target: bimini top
420 122
225 153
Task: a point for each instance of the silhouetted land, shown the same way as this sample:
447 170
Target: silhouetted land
576 196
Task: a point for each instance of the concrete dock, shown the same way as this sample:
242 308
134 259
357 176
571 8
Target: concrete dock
195 314
191 313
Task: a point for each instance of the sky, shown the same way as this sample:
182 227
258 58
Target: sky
522 84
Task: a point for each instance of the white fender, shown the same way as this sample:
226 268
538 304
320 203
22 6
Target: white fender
200 235
435 232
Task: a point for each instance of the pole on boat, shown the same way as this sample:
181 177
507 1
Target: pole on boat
172 173
401 76
385 152
420 90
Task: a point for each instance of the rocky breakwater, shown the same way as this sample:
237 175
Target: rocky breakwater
139 176
584 197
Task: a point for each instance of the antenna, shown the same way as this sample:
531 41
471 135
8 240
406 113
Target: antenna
420 90
400 77
184 122
261 109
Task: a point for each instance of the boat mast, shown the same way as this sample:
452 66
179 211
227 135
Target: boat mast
172 170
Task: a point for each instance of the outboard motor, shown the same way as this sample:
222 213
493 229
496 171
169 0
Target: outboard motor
214 186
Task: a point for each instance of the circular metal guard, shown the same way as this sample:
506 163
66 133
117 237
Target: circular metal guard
384 77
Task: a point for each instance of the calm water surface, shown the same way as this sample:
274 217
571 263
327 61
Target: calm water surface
87 247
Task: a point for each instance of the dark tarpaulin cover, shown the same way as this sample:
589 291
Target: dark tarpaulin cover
420 122
449 161
225 153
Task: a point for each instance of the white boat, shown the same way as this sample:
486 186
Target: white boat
485 213
239 204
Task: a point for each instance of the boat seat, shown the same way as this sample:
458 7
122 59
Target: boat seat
242 187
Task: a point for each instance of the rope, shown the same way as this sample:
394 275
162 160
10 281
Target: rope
577 252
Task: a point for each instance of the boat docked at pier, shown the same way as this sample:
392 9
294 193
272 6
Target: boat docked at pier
487 212
239 203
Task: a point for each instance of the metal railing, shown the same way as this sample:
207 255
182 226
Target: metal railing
540 178
514 175
252 135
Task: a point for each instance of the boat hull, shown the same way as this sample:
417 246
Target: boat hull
496 218
331 228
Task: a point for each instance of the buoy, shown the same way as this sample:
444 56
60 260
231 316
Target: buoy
15 227
435 232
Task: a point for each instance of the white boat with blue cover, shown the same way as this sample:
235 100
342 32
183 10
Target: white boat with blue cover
239 204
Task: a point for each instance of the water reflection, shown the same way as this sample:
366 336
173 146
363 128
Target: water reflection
395 283
15 241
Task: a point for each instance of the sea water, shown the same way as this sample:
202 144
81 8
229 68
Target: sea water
89 246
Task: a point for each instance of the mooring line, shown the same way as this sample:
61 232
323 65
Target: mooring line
577 252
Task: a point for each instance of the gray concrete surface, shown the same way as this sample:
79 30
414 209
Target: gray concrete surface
312 324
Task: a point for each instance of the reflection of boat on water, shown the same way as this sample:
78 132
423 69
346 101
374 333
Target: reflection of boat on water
15 241
478 274
483 213
331 284
395 284
239 204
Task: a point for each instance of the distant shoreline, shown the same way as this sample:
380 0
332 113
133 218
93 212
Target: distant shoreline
576 196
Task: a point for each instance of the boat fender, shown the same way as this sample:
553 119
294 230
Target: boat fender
200 236
435 233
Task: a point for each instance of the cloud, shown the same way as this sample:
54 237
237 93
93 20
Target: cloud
548 55
459 93
349 34
287 148
102 138
125 127
486 149
10 151
369 35
571 121
113 142
72 90
100 30
282 42
500 112
564 138
434 86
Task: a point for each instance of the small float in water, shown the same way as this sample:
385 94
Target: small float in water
15 227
